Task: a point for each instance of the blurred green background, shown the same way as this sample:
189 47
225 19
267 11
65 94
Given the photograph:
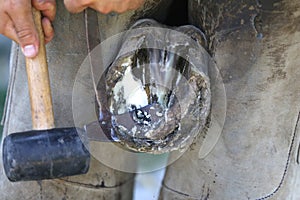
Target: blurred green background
4 71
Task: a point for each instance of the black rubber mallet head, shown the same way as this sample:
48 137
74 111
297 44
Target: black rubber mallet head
45 152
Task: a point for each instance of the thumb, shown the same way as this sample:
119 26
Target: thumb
26 31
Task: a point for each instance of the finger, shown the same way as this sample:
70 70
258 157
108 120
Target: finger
48 29
116 5
25 28
121 6
106 7
137 4
47 7
100 7
8 28
131 4
77 5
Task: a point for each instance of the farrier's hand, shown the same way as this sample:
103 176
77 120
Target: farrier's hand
103 6
16 22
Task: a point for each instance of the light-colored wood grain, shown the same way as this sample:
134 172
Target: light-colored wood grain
39 84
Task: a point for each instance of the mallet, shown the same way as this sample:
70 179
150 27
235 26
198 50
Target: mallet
46 152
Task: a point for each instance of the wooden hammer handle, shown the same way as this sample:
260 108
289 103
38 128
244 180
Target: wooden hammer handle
39 84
